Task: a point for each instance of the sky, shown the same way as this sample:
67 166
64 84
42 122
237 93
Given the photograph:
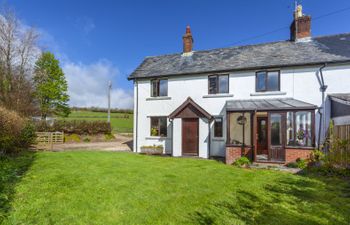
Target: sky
101 40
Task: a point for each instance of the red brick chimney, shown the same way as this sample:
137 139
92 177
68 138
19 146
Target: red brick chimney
301 26
187 41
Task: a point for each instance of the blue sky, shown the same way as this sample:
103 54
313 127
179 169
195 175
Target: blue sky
101 40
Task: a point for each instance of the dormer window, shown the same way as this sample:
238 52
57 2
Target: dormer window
159 87
218 84
267 81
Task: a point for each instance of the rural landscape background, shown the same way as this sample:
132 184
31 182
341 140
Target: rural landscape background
121 120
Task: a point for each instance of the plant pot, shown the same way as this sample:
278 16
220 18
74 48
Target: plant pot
152 150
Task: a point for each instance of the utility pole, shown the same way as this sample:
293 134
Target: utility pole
109 101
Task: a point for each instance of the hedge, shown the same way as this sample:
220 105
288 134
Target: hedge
75 127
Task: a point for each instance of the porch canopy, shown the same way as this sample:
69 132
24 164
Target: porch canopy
273 104
190 109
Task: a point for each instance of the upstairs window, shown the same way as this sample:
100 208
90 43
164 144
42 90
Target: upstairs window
218 84
218 127
159 87
159 126
267 81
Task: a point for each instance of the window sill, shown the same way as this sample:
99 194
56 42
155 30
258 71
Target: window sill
268 93
158 98
156 138
217 95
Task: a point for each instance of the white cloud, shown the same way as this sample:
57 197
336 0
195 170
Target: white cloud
87 85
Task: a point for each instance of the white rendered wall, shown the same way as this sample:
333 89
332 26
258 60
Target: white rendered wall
177 143
298 83
203 138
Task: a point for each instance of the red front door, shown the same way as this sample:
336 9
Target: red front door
190 136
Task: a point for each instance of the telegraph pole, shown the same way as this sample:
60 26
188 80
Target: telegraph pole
109 101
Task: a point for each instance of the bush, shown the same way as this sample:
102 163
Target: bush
243 161
72 138
86 139
317 156
15 132
301 163
328 169
81 127
109 137
27 136
292 165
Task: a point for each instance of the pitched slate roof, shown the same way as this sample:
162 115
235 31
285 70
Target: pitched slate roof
324 49
267 104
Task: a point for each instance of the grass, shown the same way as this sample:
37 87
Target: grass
125 188
118 122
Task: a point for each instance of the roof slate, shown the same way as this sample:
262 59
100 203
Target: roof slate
324 49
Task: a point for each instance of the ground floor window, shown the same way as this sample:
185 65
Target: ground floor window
159 126
218 130
240 128
299 129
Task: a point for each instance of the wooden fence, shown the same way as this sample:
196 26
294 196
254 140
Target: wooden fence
339 146
46 140
342 132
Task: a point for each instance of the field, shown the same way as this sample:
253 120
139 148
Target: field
126 188
121 122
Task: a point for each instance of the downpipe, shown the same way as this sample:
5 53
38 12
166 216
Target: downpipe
323 89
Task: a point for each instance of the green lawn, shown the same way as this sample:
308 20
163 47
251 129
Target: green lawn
125 188
118 122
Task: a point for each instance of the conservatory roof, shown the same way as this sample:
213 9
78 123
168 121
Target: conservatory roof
268 104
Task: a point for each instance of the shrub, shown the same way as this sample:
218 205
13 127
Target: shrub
243 161
328 169
317 156
292 165
72 138
301 163
86 139
27 136
15 132
81 127
109 137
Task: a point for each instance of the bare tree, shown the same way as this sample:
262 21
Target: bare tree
18 53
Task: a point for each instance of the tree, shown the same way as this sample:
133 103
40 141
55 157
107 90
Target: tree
50 86
18 52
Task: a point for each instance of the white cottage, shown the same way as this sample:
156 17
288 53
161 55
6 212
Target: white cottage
267 101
